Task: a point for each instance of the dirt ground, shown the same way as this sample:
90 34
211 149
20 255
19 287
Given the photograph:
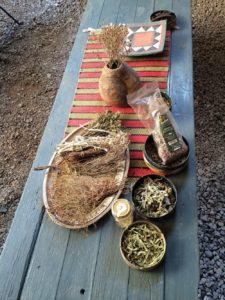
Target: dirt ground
32 61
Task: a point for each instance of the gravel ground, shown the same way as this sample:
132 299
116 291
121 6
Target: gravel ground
28 88
209 78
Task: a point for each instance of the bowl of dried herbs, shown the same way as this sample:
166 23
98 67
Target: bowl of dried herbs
142 245
154 196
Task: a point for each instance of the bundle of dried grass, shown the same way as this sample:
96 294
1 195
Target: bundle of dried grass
103 124
108 163
113 39
76 196
86 170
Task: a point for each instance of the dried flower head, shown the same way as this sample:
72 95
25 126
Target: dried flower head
113 37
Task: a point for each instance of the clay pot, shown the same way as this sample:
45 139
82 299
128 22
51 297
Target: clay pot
116 84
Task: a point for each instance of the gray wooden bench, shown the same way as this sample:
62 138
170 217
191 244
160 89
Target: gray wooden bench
41 260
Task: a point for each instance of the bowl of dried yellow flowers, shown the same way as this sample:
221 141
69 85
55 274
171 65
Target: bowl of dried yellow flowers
143 245
154 197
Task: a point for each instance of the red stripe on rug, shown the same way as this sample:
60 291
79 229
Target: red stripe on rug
104 55
87 85
94 46
167 43
77 122
125 123
138 138
96 55
158 63
91 85
138 172
99 109
94 85
132 124
136 154
87 97
90 74
141 74
152 74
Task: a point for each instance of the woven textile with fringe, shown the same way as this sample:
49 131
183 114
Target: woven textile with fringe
88 103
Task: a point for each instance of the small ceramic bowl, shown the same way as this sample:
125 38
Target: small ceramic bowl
170 206
153 161
140 264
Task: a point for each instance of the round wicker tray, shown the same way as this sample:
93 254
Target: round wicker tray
99 211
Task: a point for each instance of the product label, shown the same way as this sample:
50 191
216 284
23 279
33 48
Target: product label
169 134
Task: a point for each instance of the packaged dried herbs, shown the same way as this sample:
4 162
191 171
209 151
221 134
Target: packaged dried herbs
169 142
153 111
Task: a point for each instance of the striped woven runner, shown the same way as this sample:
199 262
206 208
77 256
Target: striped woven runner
88 103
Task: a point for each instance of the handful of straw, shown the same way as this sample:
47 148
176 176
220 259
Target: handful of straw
86 170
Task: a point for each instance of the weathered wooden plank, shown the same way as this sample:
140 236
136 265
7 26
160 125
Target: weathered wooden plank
109 261
34 278
144 10
163 4
127 11
109 12
182 263
76 281
79 265
45 267
181 61
22 236
146 285
111 274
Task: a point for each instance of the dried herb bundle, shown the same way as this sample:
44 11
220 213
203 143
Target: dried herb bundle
143 245
113 38
103 124
76 196
86 171
154 197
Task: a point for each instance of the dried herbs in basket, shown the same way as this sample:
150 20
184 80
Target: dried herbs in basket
85 170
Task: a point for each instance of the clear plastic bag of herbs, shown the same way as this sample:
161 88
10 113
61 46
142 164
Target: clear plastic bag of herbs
153 111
